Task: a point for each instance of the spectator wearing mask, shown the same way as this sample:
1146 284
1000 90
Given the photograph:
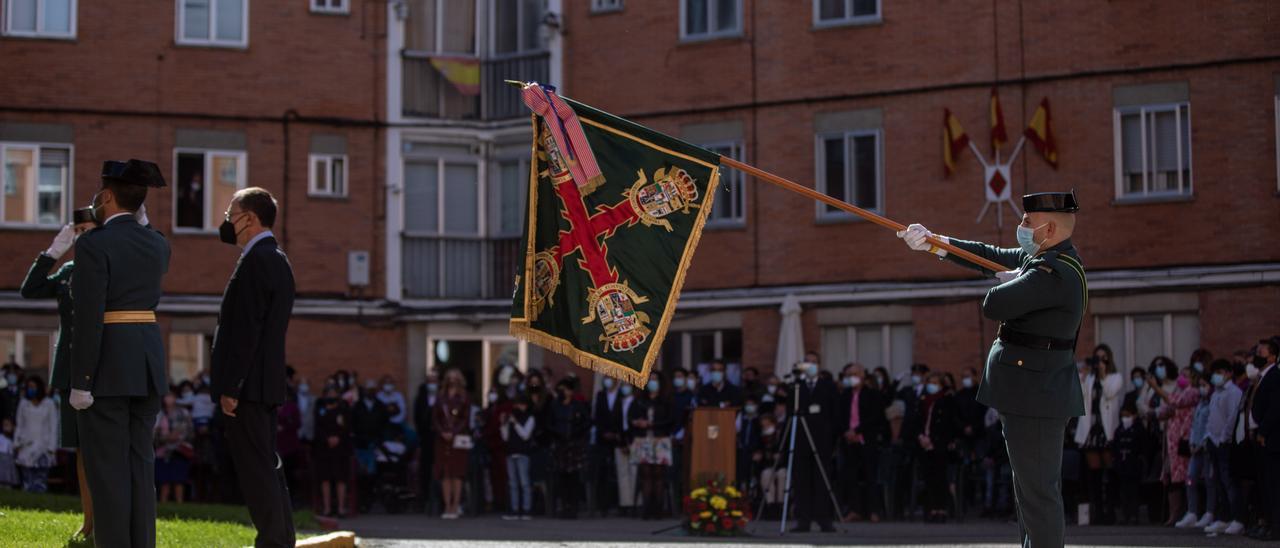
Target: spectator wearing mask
1200 361
1264 410
1103 389
517 432
173 448
11 391
570 426
651 418
8 470
751 385
35 440
1176 409
719 392
864 430
747 441
389 396
972 413
1128 446
622 455
1224 405
333 452
369 419
306 408
1197 468
423 405
607 420
818 400
773 469
451 422
905 413
935 432
289 442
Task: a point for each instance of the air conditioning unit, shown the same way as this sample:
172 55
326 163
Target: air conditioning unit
358 268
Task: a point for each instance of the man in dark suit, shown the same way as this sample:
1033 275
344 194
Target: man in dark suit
817 402
117 354
248 370
719 392
861 421
607 420
1266 413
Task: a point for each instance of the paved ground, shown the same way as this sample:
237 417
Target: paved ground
410 530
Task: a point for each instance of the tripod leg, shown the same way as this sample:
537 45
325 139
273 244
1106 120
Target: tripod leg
764 499
791 461
822 469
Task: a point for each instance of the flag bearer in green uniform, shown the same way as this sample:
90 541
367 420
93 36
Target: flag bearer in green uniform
117 354
1030 375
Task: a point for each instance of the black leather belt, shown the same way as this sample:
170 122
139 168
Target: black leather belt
1038 342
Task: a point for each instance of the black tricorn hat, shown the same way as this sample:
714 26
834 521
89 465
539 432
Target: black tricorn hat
133 172
1051 202
82 215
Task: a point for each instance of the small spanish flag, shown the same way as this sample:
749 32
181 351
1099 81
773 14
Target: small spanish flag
1040 133
999 136
954 140
462 72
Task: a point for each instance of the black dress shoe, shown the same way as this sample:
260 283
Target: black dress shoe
800 530
828 528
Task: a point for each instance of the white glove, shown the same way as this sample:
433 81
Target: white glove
916 237
80 399
142 215
1007 275
62 242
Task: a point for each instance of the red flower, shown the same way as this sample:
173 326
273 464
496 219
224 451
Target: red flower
726 523
711 527
701 506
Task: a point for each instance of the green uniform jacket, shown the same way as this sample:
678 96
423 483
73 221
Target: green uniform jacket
40 285
1048 298
119 267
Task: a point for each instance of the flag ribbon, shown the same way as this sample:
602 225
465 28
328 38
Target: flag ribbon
567 132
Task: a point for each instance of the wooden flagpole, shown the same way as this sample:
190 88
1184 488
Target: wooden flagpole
887 223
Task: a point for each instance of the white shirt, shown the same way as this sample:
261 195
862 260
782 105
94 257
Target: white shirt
36 432
109 219
254 240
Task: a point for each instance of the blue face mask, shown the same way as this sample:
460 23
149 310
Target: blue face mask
1160 372
678 383
915 379
813 370
749 409
608 383
626 390
932 388
652 386
31 393
1219 379
717 377
1138 382
1027 239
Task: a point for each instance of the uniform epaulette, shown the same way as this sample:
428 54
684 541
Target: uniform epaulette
1046 263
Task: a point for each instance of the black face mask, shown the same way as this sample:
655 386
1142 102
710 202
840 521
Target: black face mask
227 232
1259 361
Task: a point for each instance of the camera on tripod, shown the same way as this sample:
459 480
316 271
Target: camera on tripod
799 372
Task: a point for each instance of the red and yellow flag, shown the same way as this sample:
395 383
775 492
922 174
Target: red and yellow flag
954 140
999 136
1040 133
462 72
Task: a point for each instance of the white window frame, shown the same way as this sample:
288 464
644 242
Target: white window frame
1185 188
344 7
737 181
606 6
1130 343
212 219
201 350
20 335
38 33
441 160
493 31
848 20
328 159
33 197
440 31
496 187
717 342
820 168
212 41
851 343
711 34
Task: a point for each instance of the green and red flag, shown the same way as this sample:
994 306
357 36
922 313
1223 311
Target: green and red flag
614 214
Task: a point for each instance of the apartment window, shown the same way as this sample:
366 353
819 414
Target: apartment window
695 350
188 356
445 251
213 22
1136 339
515 26
845 12
872 345
849 170
206 181
507 197
1155 151
706 19
441 26
36 179
729 208
30 348
601 6
40 18
330 6
328 175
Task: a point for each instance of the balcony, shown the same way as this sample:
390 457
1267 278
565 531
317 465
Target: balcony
459 267
427 94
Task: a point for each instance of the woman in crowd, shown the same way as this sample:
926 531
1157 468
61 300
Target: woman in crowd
1176 409
451 422
333 451
36 438
570 424
936 434
651 418
773 473
173 435
1103 393
1198 467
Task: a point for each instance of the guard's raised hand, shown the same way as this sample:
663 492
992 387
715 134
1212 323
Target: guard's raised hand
916 236
62 242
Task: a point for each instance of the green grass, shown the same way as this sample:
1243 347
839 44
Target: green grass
50 520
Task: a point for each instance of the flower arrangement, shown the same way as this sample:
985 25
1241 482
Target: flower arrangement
716 509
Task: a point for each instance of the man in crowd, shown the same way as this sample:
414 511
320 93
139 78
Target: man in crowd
719 392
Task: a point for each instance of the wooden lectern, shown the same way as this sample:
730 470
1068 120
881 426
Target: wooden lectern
712 448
